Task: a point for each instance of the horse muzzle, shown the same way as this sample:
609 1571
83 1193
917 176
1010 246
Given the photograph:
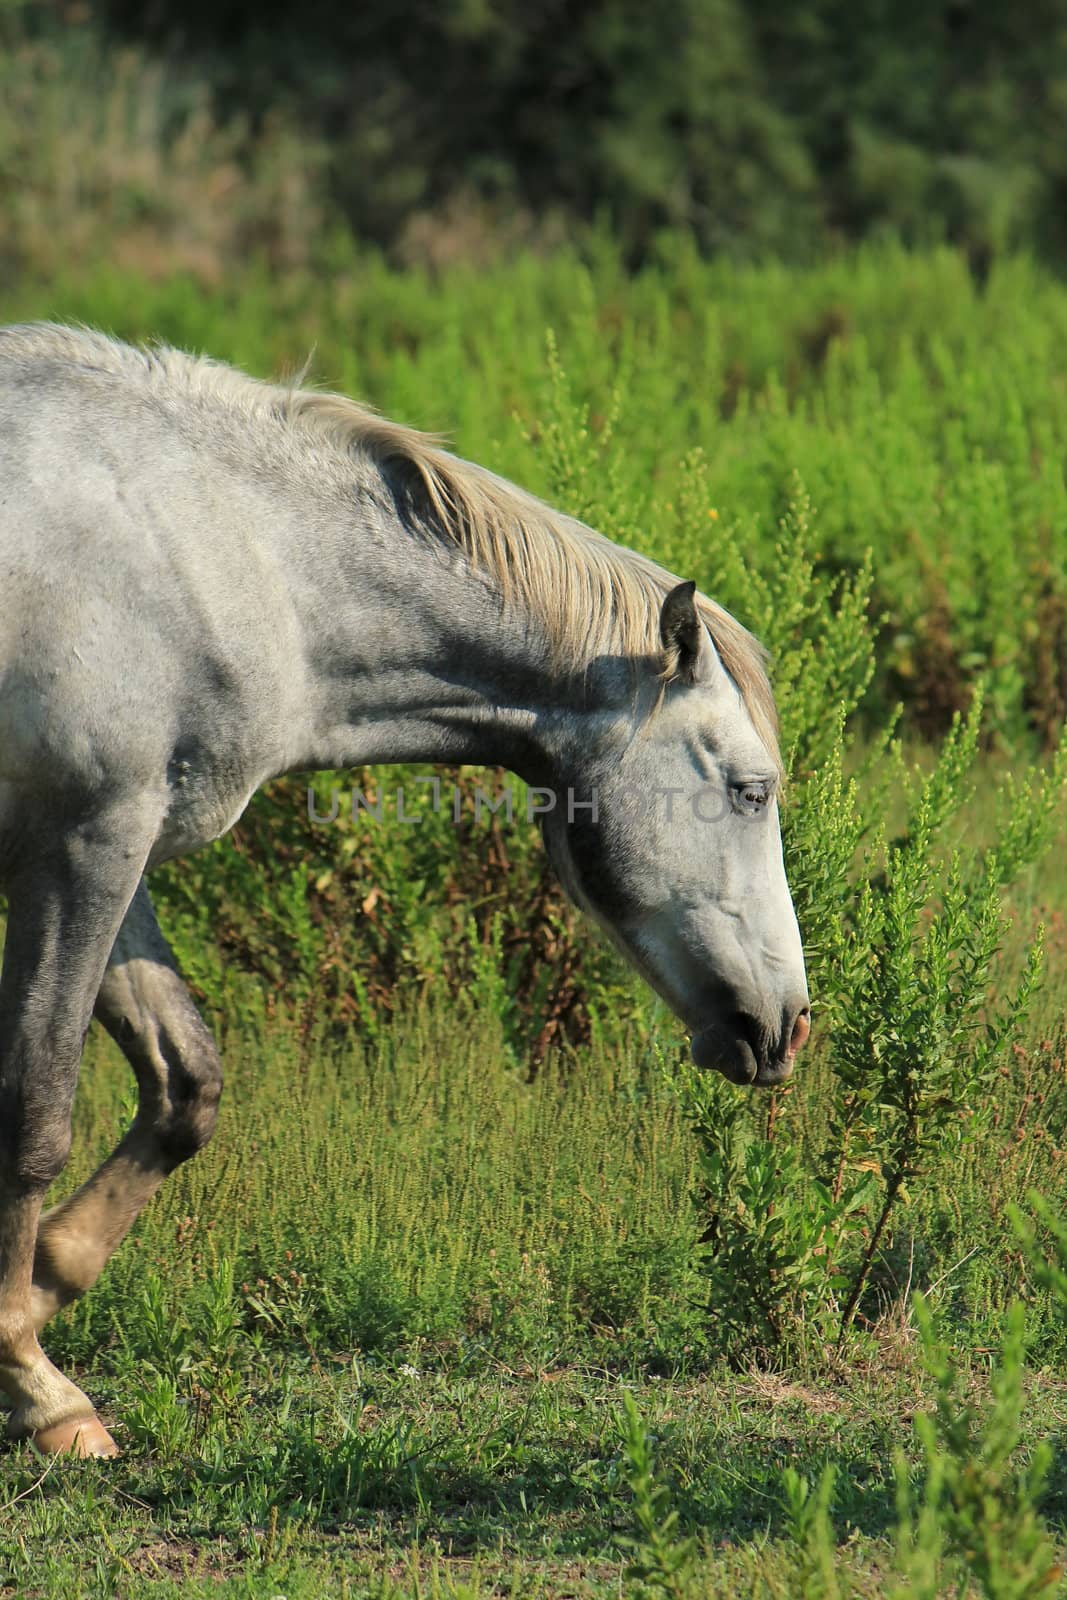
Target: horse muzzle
744 1056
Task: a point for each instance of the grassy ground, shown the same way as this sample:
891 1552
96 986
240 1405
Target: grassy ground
357 1477
376 1340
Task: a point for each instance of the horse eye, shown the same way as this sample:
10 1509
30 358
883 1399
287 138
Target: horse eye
752 796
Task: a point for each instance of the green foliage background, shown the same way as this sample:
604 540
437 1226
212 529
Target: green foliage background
757 126
465 128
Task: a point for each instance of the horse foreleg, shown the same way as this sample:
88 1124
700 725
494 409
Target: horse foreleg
149 1012
65 906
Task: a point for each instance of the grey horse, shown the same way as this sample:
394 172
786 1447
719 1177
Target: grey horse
206 581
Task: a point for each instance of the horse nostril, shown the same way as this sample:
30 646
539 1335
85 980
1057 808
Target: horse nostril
801 1029
748 1028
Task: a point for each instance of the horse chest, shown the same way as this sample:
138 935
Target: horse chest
205 799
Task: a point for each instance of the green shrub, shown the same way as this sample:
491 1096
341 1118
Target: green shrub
977 1512
902 936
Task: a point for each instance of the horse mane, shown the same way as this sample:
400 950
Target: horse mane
588 595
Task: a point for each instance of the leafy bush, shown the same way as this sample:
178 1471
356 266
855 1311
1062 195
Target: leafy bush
660 1557
901 936
977 1513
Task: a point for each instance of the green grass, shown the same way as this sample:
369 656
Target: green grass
418 1190
354 1477
375 1340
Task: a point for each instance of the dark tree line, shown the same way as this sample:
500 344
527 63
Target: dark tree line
758 124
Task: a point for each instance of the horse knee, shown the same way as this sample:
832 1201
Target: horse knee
194 1087
149 1013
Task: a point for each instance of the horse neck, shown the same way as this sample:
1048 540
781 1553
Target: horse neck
412 656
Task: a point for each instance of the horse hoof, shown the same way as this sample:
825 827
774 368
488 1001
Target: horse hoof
77 1436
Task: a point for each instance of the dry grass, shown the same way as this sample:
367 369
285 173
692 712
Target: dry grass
112 156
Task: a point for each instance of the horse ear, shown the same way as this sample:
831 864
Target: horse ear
687 649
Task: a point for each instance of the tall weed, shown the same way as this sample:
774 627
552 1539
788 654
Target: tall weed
902 933
977 1512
